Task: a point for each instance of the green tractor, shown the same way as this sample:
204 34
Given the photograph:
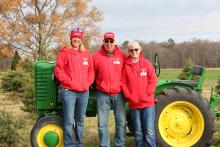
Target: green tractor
183 117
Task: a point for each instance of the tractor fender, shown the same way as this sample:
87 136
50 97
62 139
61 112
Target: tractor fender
168 85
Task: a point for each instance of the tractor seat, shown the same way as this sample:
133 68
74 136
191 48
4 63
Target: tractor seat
189 82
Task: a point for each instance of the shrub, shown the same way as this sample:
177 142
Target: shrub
28 94
28 67
186 69
21 84
15 80
10 128
28 97
21 81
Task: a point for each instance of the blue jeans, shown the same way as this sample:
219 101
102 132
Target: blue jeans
144 126
104 103
74 108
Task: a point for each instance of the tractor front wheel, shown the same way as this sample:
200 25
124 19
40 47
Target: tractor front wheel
47 132
183 118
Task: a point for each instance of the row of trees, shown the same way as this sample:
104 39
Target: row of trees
175 55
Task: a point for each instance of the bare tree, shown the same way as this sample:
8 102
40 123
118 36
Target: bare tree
174 55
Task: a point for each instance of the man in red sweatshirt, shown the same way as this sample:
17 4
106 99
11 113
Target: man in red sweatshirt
74 69
139 84
108 65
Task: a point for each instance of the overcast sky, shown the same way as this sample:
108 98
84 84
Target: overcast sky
159 20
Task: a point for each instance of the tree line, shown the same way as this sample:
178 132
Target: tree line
175 55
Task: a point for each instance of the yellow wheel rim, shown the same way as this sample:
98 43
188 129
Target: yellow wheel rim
48 128
181 124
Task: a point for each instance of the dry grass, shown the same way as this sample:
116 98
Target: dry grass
7 104
91 132
91 127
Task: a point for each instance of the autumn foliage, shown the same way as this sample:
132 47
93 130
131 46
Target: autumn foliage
36 27
6 51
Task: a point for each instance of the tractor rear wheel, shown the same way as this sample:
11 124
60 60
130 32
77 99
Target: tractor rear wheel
47 132
183 118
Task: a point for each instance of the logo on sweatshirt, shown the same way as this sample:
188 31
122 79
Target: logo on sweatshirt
85 61
116 60
143 72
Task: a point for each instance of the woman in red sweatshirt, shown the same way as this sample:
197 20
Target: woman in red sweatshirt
139 84
74 70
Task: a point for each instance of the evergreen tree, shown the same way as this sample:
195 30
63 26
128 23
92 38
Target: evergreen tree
28 98
15 60
10 129
186 69
28 67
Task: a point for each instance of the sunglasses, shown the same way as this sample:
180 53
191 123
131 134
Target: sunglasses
131 50
109 41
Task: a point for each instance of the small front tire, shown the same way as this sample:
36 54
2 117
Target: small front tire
47 132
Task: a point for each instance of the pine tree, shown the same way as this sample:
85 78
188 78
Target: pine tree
15 60
186 69
28 96
10 129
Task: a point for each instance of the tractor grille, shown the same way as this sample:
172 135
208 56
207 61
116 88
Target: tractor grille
45 86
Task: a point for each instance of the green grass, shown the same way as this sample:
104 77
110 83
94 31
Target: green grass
213 73
168 74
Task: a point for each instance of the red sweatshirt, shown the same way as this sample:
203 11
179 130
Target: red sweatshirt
139 83
108 70
74 69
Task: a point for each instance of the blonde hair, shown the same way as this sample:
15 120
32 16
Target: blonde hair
133 44
82 48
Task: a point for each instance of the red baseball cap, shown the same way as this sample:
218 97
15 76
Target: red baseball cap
110 35
76 32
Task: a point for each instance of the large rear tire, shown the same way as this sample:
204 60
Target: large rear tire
183 119
47 132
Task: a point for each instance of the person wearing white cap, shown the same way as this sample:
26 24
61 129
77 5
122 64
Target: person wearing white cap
138 85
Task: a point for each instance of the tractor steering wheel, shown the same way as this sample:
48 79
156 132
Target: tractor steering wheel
157 64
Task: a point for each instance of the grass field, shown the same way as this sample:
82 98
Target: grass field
211 73
91 130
